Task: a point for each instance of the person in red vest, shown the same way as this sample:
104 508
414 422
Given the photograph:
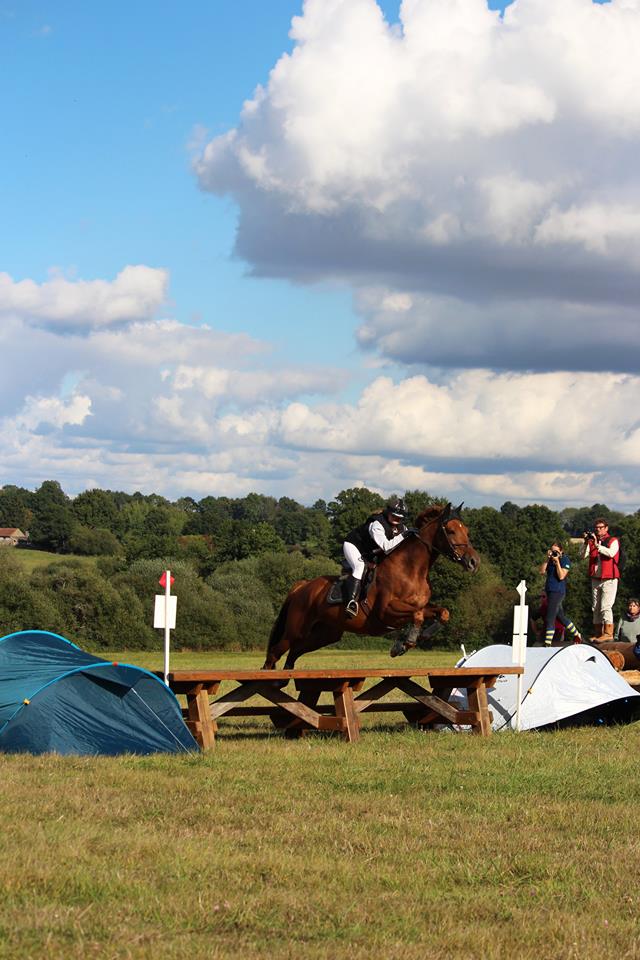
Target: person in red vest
603 552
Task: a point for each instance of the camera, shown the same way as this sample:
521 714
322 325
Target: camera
590 535
555 553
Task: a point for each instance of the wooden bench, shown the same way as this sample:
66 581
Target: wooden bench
296 715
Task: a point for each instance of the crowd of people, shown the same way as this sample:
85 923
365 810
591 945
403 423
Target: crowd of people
602 551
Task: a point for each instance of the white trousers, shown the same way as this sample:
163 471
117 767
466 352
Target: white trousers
603 597
353 558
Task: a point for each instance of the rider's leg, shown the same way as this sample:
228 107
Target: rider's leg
355 561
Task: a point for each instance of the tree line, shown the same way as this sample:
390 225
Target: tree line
235 559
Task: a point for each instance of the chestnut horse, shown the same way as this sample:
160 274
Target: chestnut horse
399 595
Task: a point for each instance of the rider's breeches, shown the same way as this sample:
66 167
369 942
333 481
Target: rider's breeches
354 559
603 596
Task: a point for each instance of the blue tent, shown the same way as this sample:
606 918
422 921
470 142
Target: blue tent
55 698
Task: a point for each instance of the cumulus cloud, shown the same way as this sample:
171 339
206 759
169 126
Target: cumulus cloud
486 161
63 304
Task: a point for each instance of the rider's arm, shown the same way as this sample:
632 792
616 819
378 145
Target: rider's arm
377 532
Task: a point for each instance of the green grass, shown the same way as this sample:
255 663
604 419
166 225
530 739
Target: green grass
405 845
30 560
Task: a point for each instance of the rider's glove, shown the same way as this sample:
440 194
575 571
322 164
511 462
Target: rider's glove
410 532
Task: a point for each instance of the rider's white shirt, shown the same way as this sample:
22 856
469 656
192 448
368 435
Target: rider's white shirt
377 532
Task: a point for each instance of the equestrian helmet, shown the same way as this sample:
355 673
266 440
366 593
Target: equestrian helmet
396 508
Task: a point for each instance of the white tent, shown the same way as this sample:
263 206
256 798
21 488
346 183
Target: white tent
559 683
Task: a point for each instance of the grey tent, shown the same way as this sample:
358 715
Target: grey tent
561 685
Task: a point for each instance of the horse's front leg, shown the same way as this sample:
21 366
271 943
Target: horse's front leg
410 639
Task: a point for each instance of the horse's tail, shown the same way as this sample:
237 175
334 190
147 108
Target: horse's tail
278 628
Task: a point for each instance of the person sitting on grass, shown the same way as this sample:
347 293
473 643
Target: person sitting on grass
556 567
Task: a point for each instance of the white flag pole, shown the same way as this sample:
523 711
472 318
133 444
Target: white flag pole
519 656
167 631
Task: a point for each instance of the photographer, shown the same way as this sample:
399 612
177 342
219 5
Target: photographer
603 552
556 567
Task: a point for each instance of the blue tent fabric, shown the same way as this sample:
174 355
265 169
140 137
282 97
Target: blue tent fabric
55 697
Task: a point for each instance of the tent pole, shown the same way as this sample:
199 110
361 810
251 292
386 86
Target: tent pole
167 632
520 623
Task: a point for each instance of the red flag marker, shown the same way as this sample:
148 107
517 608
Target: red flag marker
163 580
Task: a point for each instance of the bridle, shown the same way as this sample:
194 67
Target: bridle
452 552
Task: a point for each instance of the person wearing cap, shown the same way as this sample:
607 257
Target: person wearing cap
379 534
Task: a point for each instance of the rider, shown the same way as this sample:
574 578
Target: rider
380 532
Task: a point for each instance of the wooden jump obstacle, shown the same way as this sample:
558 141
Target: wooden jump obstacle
297 715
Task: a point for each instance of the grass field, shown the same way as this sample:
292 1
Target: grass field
405 845
32 559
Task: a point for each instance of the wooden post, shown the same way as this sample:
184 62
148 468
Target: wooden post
345 710
479 703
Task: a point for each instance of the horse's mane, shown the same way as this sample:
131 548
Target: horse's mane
429 514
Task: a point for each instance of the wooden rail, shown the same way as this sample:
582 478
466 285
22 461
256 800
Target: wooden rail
425 706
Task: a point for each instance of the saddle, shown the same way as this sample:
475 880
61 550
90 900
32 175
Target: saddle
337 594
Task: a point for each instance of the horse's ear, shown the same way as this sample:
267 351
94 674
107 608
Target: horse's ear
446 513
458 510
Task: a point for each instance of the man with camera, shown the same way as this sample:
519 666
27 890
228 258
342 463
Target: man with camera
603 552
556 567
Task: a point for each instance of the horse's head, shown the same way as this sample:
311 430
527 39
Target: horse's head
451 537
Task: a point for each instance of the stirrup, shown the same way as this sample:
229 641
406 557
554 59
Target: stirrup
352 608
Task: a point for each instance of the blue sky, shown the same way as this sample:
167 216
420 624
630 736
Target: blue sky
420 227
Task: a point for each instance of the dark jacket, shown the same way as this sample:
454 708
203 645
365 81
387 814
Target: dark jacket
363 540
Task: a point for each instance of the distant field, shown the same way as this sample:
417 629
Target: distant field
330 657
31 559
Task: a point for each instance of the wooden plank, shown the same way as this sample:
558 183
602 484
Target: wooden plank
284 700
343 699
364 700
478 702
455 674
441 707
201 722
225 703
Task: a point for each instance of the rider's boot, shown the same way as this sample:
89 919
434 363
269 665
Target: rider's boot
353 592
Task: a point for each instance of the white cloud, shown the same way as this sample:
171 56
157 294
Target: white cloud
61 304
460 157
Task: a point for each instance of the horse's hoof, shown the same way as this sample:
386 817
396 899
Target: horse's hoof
398 649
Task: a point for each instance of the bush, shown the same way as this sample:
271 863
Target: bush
95 614
23 607
203 619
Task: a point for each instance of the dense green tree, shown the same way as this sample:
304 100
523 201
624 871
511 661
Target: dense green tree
583 518
53 519
94 542
16 507
97 508
255 508
158 533
211 514
417 501
350 508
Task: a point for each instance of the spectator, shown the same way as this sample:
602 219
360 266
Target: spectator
603 552
556 567
628 628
